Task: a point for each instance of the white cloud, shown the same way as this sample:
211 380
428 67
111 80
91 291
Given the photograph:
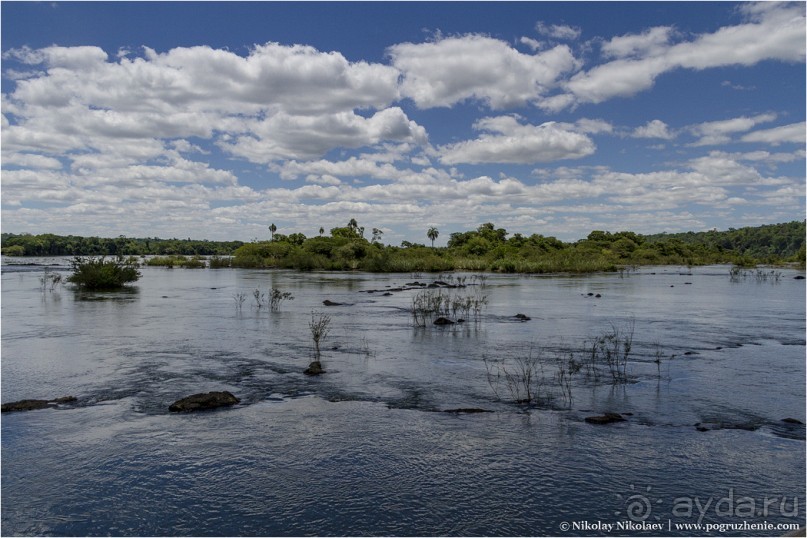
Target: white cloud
654 129
776 32
31 160
283 136
506 141
793 133
558 31
455 69
719 132
650 42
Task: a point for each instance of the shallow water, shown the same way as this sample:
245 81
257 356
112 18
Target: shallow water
365 448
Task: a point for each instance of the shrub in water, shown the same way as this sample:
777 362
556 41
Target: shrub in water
100 273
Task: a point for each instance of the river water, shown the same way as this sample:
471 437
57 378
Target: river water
367 448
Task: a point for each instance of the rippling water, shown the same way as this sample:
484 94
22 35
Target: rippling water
365 448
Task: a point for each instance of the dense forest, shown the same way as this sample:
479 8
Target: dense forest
487 248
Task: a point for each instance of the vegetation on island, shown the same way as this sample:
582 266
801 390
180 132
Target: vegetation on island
486 249
103 274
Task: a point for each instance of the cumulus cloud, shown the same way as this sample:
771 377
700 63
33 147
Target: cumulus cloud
505 140
650 42
653 129
283 136
719 132
451 70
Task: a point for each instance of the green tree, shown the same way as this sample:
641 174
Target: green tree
272 230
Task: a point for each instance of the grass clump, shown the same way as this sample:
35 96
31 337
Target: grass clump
102 274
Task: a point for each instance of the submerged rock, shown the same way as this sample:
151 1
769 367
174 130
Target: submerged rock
607 418
522 317
31 405
714 426
326 302
315 368
443 321
792 421
203 401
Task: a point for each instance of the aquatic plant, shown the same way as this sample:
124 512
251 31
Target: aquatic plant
567 368
521 377
320 326
50 280
100 273
259 296
239 299
611 349
276 298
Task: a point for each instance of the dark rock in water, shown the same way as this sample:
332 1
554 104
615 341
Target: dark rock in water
590 294
691 353
714 426
203 401
315 368
443 321
467 410
31 405
25 405
799 277
792 421
387 294
433 285
607 418
598 296
460 320
441 283
522 317
326 302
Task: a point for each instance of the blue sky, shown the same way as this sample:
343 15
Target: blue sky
212 120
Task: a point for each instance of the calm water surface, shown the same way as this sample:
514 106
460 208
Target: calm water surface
365 449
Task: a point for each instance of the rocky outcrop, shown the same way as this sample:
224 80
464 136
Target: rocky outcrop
443 321
607 418
203 401
31 405
315 368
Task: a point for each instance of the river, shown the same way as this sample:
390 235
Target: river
368 448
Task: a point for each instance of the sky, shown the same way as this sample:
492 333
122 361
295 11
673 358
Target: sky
213 120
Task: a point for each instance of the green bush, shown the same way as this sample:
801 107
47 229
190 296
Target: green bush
14 250
196 262
102 274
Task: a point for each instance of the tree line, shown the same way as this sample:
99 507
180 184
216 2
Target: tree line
488 248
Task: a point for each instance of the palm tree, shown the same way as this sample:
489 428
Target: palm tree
321 231
353 225
273 229
432 234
